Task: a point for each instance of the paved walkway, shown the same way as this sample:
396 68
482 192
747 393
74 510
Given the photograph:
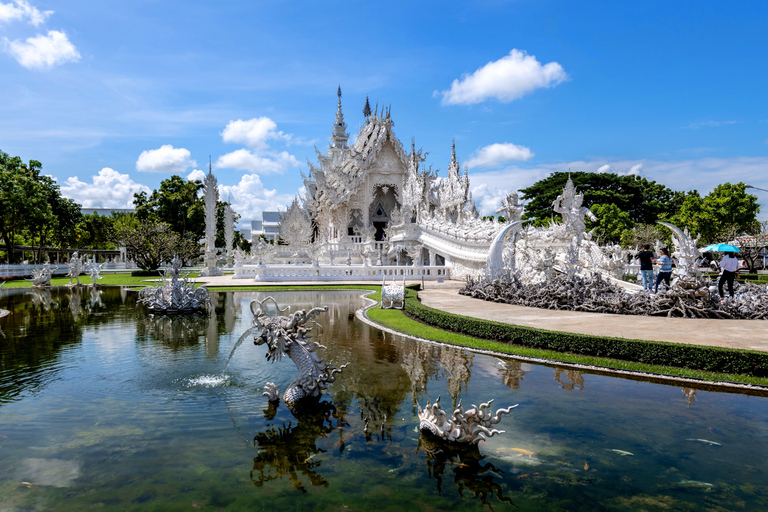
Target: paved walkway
744 334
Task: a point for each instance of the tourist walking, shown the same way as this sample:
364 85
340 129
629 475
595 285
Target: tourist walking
729 264
665 270
646 267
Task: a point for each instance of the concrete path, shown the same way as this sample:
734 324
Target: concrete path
743 334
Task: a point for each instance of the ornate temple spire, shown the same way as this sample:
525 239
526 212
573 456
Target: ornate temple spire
367 109
340 136
454 161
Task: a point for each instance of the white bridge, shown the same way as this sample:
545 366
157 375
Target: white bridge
354 273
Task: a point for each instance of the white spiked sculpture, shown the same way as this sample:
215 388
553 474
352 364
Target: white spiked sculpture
211 197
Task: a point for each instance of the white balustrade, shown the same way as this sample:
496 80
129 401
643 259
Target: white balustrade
267 273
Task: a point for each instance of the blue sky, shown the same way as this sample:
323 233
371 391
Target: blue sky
113 97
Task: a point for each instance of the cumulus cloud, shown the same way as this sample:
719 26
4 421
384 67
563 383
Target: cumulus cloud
20 10
253 133
108 189
197 174
249 198
499 154
42 52
246 160
166 159
604 168
506 79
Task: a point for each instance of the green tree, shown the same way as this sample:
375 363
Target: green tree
610 224
724 212
176 203
149 244
645 201
97 232
23 201
642 234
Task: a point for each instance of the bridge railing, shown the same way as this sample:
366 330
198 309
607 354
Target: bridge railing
268 273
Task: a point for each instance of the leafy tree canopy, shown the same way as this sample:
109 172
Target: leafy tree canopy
31 207
610 224
176 203
723 213
643 200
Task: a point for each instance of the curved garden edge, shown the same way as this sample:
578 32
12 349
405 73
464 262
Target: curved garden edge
683 372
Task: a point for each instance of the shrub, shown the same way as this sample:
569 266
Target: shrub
695 357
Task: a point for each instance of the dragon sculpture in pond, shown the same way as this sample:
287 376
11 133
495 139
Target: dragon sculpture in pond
287 335
471 426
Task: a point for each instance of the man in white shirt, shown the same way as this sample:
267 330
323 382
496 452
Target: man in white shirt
729 264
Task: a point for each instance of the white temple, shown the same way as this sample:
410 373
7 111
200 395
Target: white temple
374 209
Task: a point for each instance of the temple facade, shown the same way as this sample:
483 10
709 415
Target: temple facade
373 209
374 203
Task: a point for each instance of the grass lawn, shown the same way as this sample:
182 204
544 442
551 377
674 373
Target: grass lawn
397 320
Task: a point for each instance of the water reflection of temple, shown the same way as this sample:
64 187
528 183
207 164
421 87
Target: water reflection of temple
511 373
457 367
569 379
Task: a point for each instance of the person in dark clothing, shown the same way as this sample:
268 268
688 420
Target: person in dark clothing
646 267
730 265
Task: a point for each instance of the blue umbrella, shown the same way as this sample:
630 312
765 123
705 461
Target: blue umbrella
720 248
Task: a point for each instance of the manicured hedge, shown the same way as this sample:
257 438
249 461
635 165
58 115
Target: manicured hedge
695 357
145 273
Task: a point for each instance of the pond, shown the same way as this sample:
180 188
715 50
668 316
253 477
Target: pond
105 407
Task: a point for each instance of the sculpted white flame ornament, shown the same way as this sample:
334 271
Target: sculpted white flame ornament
287 335
471 426
175 293
42 278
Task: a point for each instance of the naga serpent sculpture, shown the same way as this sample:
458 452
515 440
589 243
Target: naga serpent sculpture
287 335
471 426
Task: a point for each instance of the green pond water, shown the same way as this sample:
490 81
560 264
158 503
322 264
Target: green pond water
103 407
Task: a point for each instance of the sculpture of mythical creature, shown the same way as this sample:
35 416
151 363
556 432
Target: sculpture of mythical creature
568 204
42 277
511 208
75 268
262 250
94 271
392 295
174 293
471 426
287 335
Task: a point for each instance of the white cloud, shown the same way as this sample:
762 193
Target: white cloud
635 169
710 124
498 154
109 189
197 174
246 160
506 79
166 159
253 133
21 10
604 168
250 198
43 52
